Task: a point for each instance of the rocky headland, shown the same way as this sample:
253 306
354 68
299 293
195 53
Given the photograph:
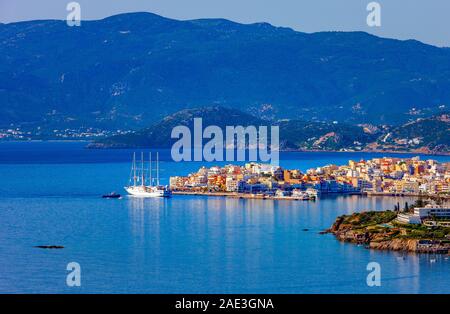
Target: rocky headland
380 230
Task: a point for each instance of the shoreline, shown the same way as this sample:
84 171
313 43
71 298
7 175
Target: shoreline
403 194
101 146
290 198
288 150
241 195
380 231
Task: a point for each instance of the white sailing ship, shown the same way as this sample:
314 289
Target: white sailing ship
138 185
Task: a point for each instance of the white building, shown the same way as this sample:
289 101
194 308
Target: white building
231 184
433 211
422 213
409 219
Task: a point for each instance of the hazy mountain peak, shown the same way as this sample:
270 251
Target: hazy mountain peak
135 68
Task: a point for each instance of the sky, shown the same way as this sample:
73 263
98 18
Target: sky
424 20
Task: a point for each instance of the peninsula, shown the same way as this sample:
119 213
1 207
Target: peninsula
385 231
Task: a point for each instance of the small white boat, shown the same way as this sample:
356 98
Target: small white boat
313 193
138 178
301 195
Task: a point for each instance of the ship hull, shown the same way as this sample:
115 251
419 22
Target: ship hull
145 192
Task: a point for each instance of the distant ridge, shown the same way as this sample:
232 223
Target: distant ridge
422 136
130 70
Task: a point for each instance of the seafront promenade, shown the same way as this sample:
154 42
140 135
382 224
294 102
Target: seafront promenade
243 195
292 198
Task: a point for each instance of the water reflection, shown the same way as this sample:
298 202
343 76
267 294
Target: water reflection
261 244
184 244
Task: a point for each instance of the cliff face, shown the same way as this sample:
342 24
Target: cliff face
337 225
374 241
395 245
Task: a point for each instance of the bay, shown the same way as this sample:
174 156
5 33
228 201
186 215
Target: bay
50 195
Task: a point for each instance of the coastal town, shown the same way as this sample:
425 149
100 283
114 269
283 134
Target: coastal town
422 227
378 176
18 133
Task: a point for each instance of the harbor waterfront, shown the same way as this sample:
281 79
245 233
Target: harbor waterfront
386 175
50 194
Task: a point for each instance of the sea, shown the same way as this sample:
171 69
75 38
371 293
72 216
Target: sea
50 194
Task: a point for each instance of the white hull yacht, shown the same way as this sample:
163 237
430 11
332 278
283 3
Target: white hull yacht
138 180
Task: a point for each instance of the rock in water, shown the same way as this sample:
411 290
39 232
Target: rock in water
49 246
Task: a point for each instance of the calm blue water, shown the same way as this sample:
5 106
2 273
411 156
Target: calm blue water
49 194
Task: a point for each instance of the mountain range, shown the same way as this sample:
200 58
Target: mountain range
130 71
430 135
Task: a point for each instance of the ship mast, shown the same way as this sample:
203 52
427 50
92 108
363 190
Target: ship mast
157 168
150 168
142 171
134 169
